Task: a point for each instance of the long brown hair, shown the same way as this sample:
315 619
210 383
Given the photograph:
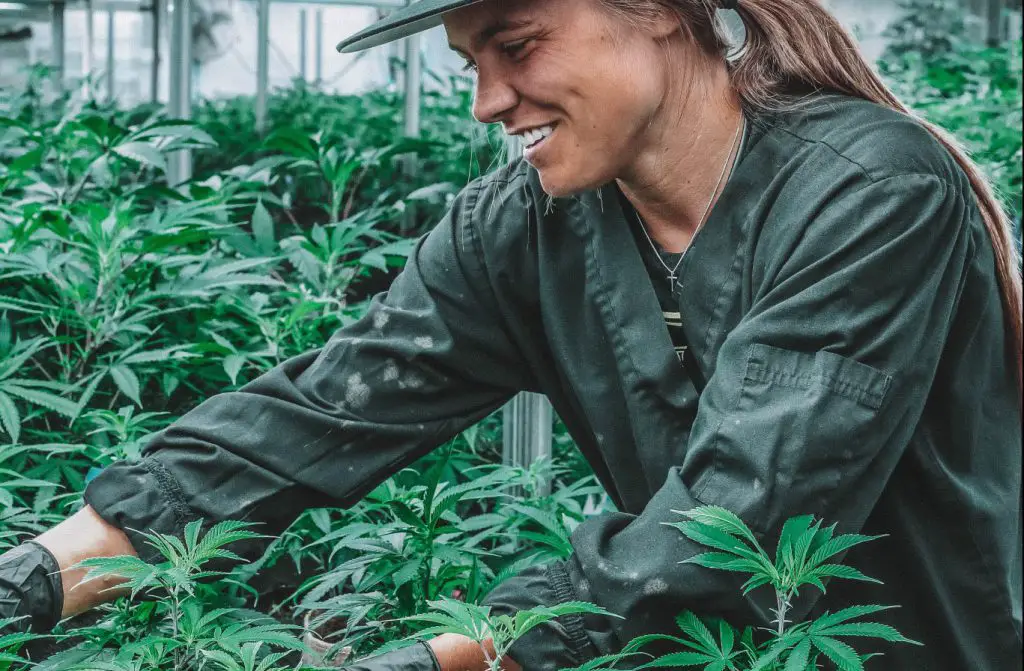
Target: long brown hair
797 45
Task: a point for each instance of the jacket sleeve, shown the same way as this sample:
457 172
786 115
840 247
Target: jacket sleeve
429 358
813 398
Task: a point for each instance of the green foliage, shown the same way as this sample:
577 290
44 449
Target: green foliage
971 90
126 302
406 546
180 626
11 643
805 556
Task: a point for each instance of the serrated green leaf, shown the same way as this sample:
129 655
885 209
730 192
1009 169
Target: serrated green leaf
142 152
846 614
799 657
263 230
839 571
865 629
47 400
10 420
842 655
678 660
836 546
721 519
232 366
126 380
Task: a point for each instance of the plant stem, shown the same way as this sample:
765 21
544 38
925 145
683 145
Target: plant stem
781 607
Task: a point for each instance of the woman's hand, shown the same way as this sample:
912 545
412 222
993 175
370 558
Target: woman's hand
459 653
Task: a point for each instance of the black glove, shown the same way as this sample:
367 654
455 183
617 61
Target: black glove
417 657
30 585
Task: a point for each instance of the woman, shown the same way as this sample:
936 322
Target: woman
759 284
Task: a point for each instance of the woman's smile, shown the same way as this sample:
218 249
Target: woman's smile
535 141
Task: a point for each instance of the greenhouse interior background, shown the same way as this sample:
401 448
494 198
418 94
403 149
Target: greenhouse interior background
192 191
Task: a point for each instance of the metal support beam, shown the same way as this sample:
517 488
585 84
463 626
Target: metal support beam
526 437
90 41
179 168
994 21
111 48
411 116
57 43
302 45
262 64
318 46
412 83
156 17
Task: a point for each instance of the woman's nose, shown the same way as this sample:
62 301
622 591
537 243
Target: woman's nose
493 98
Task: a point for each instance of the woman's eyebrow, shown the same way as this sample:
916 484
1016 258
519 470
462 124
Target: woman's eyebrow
485 35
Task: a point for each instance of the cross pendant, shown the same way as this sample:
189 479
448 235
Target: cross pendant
672 281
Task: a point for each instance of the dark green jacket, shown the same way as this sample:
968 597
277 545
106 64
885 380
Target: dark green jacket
842 304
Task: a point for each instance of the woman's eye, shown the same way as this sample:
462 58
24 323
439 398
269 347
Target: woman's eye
470 66
513 49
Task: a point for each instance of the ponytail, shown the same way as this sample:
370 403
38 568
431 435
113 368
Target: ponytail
797 44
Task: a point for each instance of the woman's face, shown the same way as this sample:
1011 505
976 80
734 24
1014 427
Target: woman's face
578 87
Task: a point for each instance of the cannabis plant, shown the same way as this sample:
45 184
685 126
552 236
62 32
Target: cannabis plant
182 626
805 558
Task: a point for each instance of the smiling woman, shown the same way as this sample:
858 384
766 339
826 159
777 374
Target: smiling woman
757 283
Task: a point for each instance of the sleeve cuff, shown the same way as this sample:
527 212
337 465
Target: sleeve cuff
138 497
419 657
557 644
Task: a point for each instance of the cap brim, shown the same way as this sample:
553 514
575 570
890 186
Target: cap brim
409 20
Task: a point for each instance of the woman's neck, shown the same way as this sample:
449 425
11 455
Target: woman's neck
678 173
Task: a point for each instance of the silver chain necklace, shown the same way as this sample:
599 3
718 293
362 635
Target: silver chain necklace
643 227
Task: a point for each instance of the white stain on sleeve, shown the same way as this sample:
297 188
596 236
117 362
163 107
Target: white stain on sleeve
357 392
424 342
380 320
412 380
655 586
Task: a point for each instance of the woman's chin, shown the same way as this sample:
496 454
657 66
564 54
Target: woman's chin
561 183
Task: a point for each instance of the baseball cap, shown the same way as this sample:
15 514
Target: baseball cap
411 19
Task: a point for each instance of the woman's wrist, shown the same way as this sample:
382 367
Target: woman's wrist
82 536
459 653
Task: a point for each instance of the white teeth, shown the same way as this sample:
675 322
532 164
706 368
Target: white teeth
535 135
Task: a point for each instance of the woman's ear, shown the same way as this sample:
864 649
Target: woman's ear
666 24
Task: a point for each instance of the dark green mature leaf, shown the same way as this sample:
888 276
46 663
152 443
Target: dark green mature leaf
799 657
142 152
10 420
263 230
842 655
127 381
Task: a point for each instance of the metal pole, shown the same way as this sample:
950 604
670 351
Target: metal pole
262 64
302 45
413 81
90 40
179 168
527 431
57 42
111 85
318 45
994 31
156 18
411 116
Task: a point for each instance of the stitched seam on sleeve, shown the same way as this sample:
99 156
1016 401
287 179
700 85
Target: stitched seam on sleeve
558 577
171 490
